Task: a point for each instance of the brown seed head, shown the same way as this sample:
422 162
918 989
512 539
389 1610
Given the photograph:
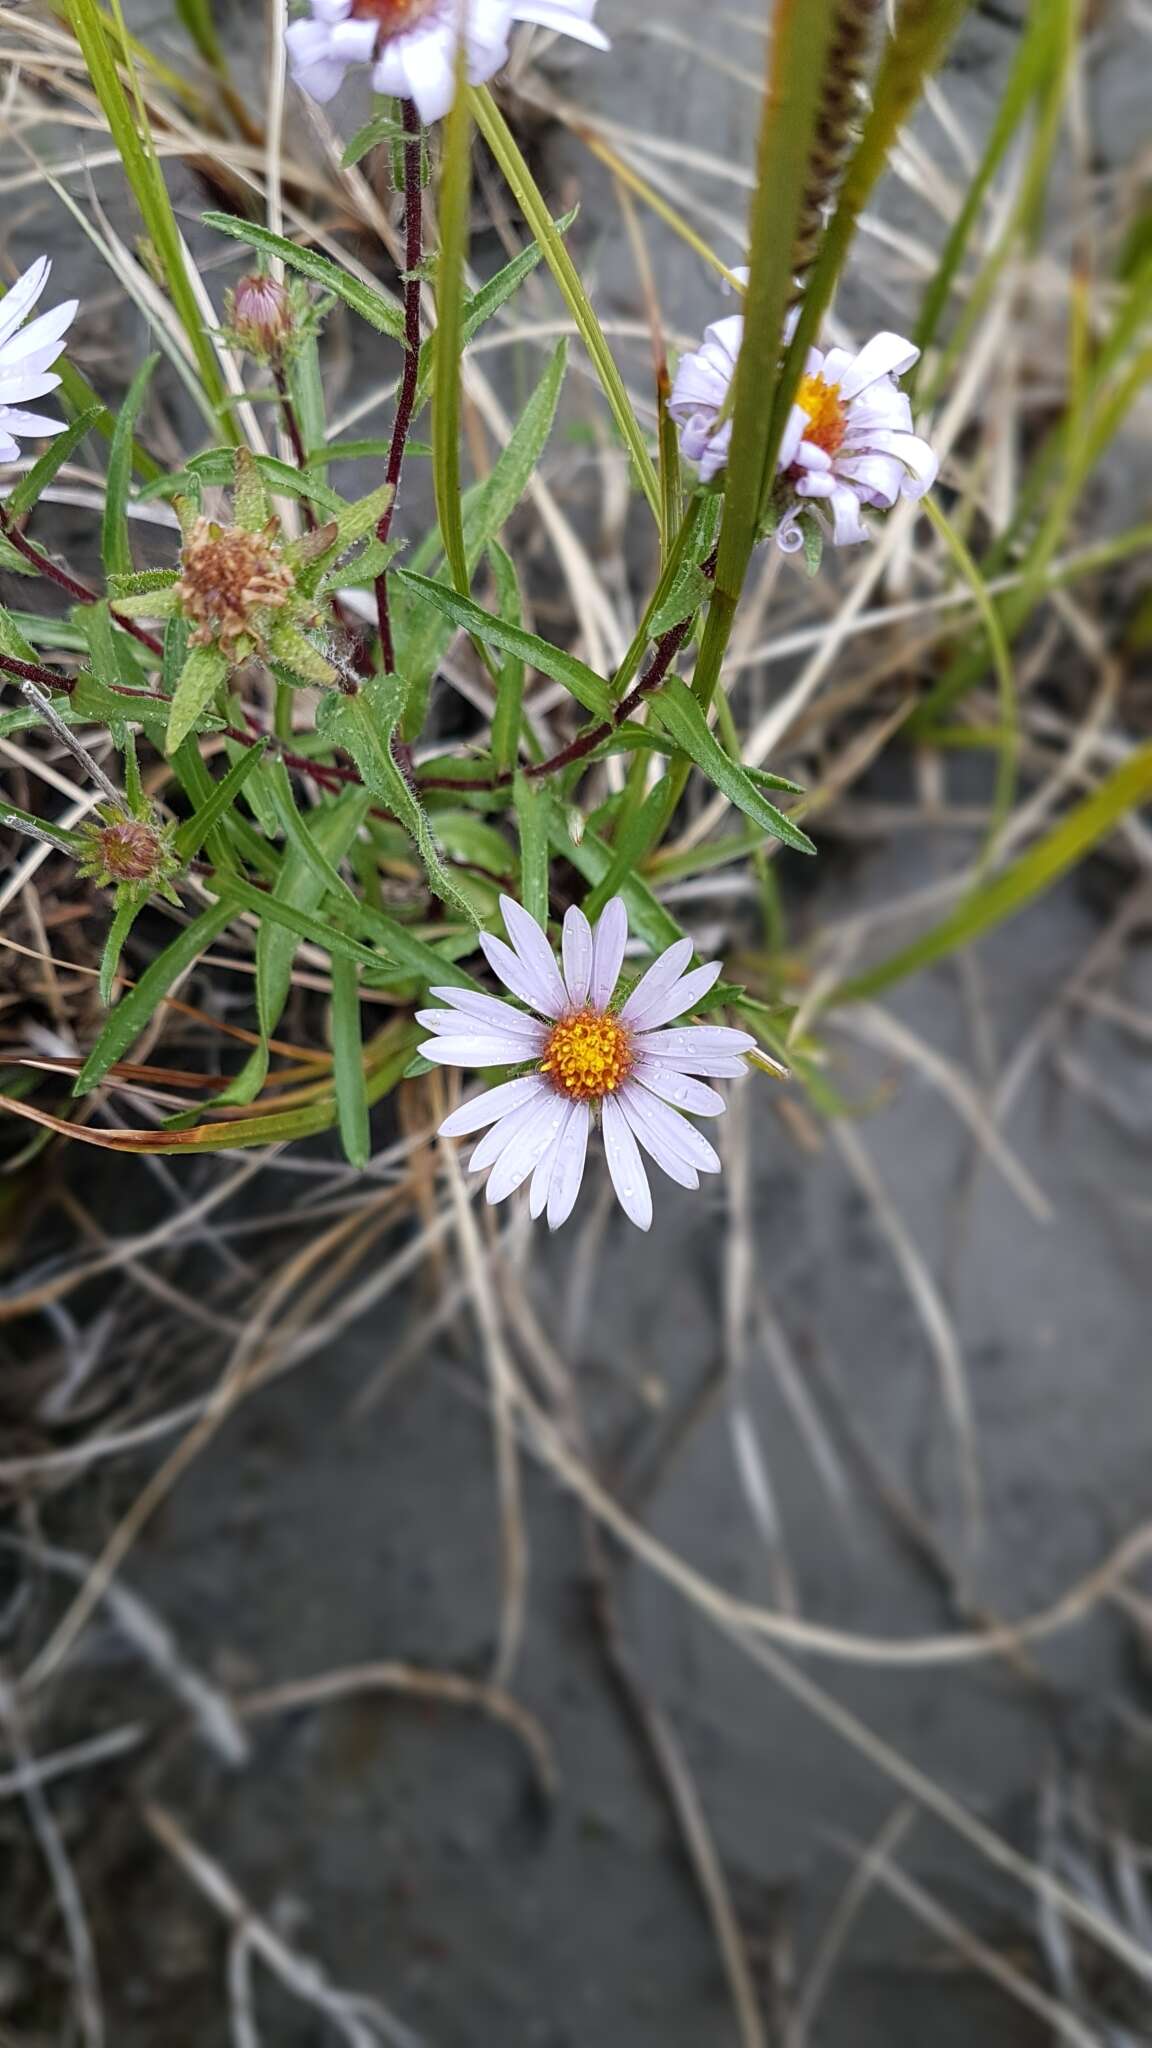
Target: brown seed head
126 849
228 577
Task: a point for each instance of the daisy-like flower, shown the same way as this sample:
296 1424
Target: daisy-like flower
848 443
849 440
26 357
411 44
583 1057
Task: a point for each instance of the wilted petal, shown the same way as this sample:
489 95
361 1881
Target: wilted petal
886 355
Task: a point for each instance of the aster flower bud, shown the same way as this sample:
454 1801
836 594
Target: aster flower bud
261 316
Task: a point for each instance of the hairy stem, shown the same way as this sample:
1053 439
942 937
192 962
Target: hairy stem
79 592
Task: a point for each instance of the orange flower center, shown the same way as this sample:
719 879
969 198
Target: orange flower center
394 16
588 1054
827 414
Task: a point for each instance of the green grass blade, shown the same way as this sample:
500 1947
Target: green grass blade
520 181
117 548
381 311
135 1010
455 201
1030 876
142 169
586 686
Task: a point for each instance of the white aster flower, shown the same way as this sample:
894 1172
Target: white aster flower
583 1058
848 442
411 44
26 357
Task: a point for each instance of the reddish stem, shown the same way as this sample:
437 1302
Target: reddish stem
79 592
406 399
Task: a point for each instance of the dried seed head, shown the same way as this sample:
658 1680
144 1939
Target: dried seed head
261 316
126 849
229 579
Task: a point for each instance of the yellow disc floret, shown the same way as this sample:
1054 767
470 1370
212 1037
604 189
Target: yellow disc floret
827 415
588 1055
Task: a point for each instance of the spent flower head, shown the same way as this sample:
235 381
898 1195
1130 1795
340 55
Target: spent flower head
848 444
231 583
584 1057
27 354
131 850
411 44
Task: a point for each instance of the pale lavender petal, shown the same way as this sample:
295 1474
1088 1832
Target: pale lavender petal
568 1169
24 384
809 456
667 1158
669 1126
33 423
486 1010
524 1117
524 1151
490 1106
881 477
534 950
655 984
609 941
678 1000
886 355
815 483
566 20
848 527
577 952
678 1089
836 365
513 973
41 335
917 457
794 432
626 1166
25 293
718 1038
475 1050
542 1178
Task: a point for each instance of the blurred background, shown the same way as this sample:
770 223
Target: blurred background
418 1631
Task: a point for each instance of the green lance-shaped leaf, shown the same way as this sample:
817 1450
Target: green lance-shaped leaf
680 715
200 678
383 313
586 686
25 494
136 1009
421 636
992 903
502 143
365 725
193 833
117 548
348 1065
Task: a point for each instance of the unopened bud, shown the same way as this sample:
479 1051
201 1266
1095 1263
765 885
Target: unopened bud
261 316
